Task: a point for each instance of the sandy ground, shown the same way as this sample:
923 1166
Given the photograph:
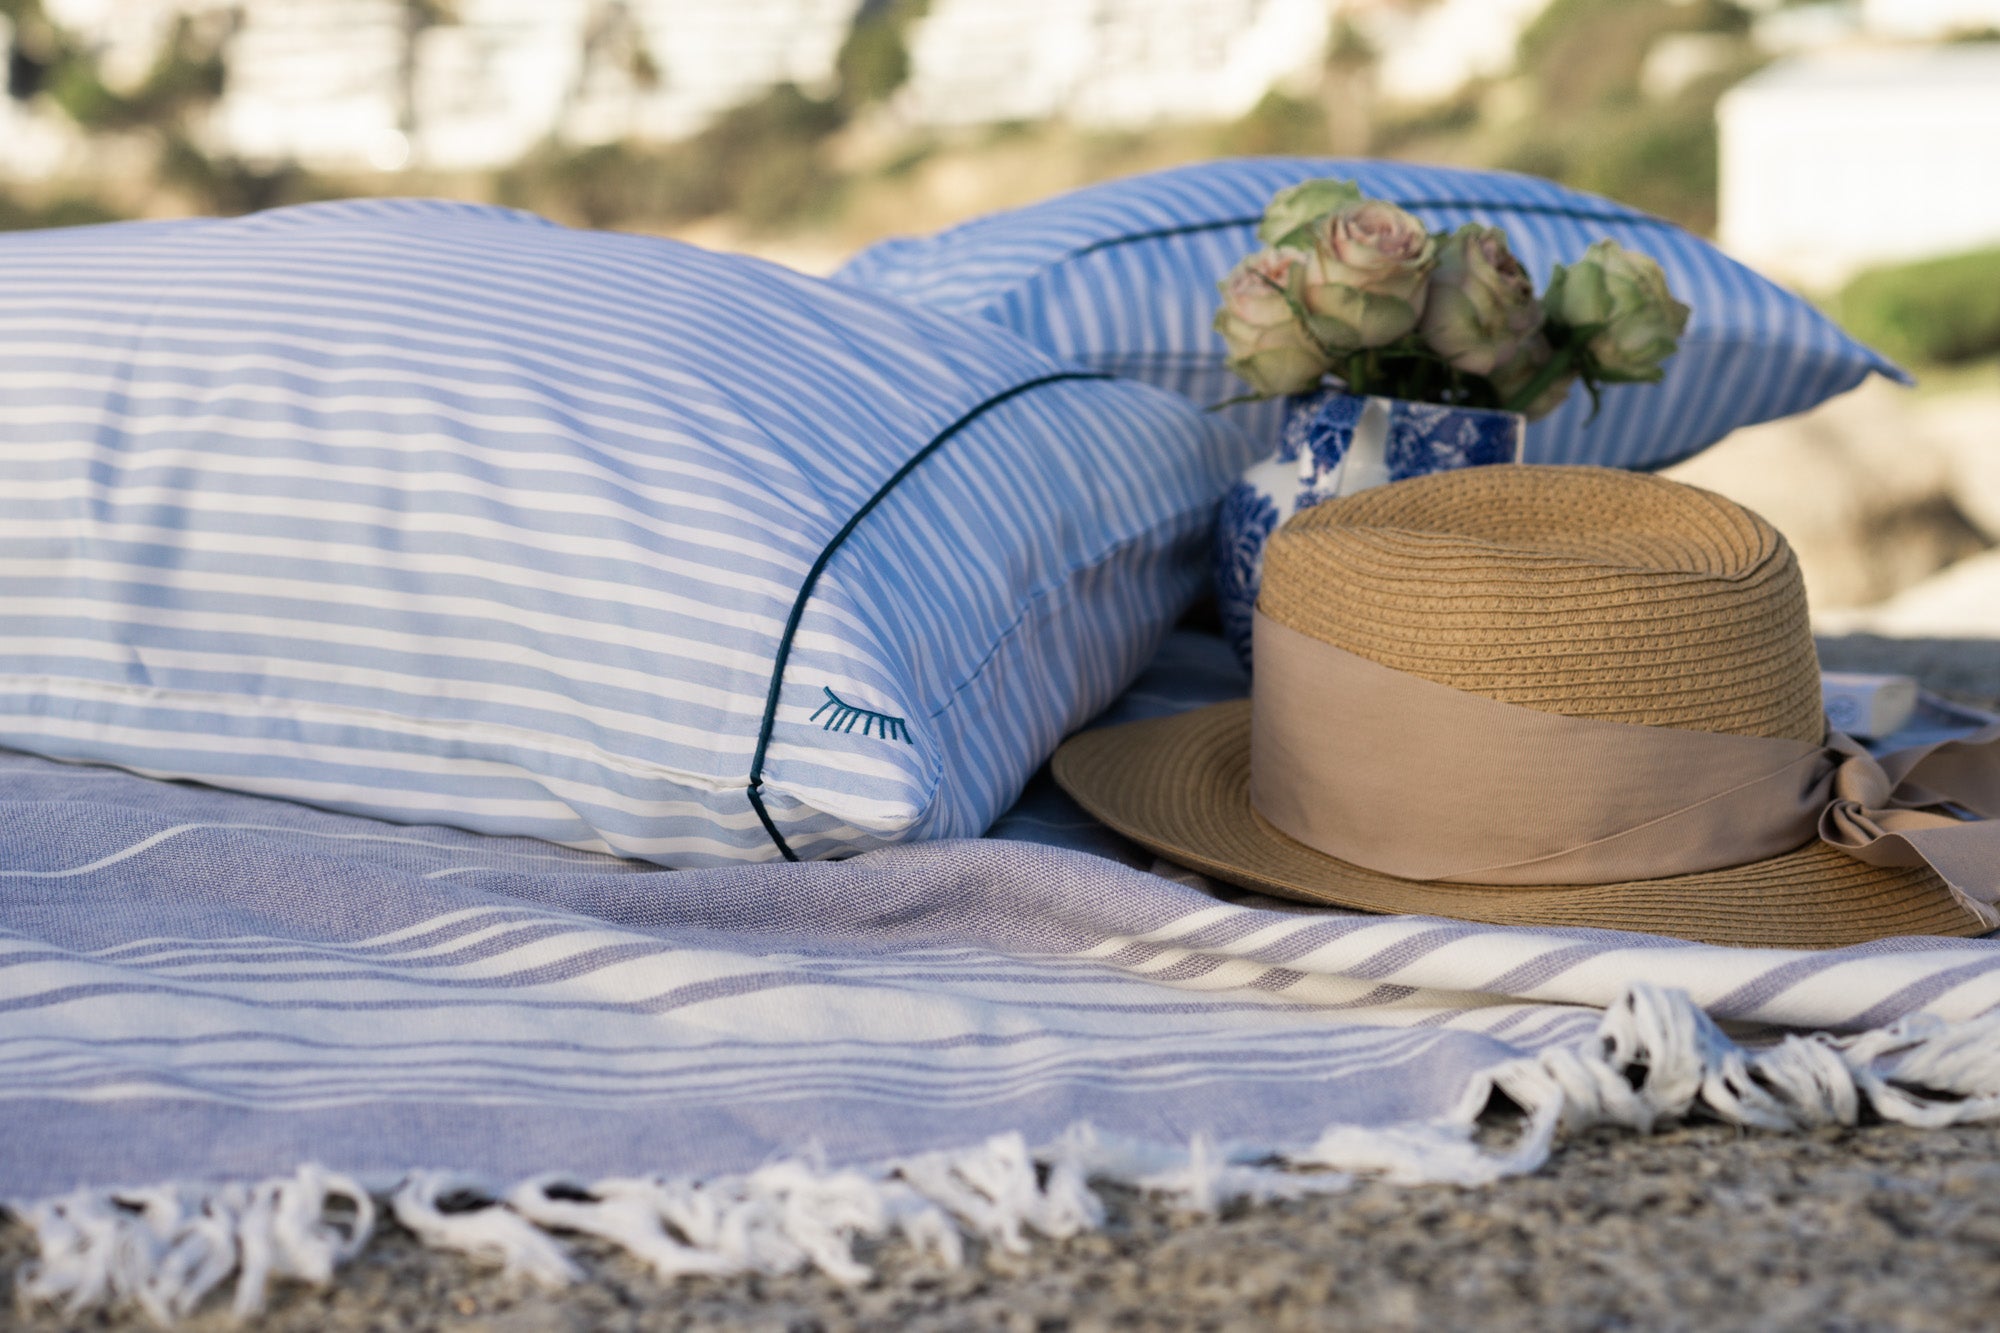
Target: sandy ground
1697 1228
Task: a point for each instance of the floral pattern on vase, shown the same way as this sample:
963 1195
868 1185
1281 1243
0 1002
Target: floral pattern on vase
1332 444
1244 523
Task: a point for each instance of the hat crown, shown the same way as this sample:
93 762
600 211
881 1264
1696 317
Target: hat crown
1581 591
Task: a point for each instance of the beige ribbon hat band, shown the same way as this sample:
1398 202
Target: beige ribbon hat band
1417 780
1557 696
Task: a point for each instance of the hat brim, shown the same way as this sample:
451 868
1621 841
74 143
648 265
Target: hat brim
1180 786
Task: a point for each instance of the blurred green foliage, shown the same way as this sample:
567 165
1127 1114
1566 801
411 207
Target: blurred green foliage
227 186
764 162
1585 55
1412 131
1279 123
768 163
1661 157
1572 109
64 211
1590 125
874 61
187 75
1935 312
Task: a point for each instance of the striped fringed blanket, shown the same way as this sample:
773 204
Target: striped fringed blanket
237 1030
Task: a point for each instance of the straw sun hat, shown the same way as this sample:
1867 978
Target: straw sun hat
1456 675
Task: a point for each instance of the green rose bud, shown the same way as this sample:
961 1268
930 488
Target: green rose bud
1289 217
1623 297
1481 307
1365 282
1268 347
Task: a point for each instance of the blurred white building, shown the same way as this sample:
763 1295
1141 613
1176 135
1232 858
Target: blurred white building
1428 52
1107 62
1835 161
1129 62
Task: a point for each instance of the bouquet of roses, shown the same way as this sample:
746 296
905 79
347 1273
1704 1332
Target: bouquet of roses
1355 291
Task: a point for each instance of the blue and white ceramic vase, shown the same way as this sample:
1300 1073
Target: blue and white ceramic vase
1335 443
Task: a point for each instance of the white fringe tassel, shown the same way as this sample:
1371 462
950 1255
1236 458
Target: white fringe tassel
160 1251
1656 1059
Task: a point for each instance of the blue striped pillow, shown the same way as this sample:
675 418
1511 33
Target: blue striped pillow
441 513
1121 278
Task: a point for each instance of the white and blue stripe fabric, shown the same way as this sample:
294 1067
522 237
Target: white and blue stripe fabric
205 990
443 514
1121 278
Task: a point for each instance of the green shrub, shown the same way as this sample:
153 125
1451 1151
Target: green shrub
1448 122
1591 127
874 61
1659 157
609 185
68 211
764 162
1586 54
228 186
1937 311
187 75
1278 124
769 155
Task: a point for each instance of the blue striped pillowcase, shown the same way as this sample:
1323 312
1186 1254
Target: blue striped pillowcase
1121 278
441 513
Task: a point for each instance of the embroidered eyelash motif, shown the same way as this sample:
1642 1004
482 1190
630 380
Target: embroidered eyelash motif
842 715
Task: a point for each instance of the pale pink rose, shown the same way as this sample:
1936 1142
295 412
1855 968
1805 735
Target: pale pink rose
1481 307
1365 283
1268 346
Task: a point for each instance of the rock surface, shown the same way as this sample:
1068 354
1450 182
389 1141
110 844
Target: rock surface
1877 490
1962 600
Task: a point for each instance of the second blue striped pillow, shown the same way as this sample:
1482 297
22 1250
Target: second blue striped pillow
1121 278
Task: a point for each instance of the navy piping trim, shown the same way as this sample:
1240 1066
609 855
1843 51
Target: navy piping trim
784 653
1535 210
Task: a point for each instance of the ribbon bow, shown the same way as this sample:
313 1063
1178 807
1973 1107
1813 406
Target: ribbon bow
1896 810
